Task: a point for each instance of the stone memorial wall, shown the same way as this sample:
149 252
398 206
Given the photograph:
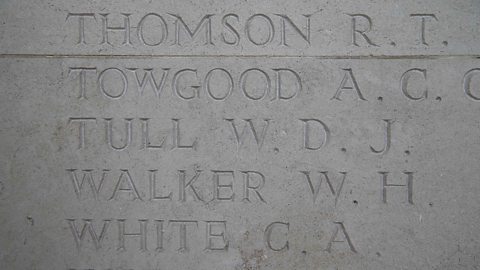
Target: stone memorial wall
242 135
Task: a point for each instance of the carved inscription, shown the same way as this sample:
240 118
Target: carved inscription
273 84
188 83
226 185
318 187
193 186
152 235
231 156
154 29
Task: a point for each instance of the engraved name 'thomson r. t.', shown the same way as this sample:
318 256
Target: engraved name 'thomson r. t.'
170 29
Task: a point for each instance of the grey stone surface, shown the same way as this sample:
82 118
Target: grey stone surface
45 27
360 157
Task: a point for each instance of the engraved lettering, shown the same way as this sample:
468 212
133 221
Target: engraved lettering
176 88
211 235
88 177
307 144
182 235
467 83
236 39
81 129
285 19
388 138
101 83
81 24
163 26
153 188
423 18
362 32
184 186
271 29
127 138
247 176
217 186
316 188
348 76
268 235
240 138
405 79
125 29
298 82
125 179
146 137
82 75
149 78
243 83
229 79
88 227
176 137
346 238
206 23
142 235
160 232
409 186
